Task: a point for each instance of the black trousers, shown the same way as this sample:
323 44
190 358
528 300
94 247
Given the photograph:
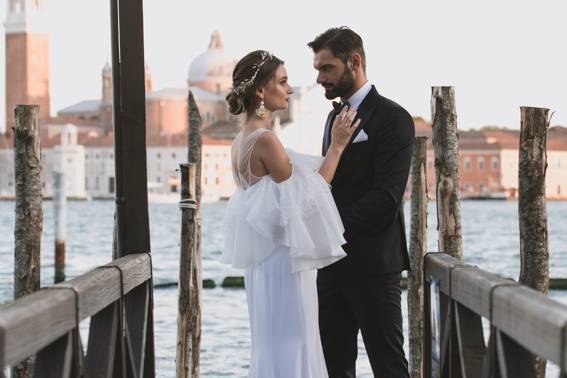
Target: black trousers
372 305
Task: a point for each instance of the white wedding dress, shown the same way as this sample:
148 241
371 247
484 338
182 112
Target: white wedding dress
280 233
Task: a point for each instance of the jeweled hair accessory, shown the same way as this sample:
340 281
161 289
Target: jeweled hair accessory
244 84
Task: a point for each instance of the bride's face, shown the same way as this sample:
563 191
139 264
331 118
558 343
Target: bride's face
277 90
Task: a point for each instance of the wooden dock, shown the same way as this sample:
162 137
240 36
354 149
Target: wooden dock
452 298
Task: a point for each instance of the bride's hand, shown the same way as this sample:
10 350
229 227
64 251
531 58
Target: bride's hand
343 127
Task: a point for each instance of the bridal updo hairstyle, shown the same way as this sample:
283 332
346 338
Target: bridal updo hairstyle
251 72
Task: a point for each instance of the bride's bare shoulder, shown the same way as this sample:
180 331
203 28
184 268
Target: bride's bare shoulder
273 155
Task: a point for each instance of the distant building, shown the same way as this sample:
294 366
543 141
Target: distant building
27 58
489 158
79 140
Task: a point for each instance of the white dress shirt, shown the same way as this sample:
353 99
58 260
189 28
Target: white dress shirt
356 99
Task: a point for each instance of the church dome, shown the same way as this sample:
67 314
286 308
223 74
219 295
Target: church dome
212 70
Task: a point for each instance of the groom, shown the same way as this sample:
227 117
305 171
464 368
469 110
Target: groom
362 291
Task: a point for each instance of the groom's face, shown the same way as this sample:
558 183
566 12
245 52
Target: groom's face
334 75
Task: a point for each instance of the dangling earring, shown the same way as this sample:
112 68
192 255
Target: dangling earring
261 109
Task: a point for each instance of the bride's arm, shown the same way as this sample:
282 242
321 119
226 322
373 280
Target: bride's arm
343 127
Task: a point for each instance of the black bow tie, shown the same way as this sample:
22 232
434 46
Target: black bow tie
337 106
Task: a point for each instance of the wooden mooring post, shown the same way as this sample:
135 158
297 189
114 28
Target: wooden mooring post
446 147
418 247
190 284
60 216
190 275
534 253
29 212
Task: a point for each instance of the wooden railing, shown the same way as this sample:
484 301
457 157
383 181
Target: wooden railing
523 323
46 324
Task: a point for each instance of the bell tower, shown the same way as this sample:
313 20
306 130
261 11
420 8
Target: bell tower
27 58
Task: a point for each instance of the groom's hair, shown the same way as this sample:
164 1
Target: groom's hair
342 42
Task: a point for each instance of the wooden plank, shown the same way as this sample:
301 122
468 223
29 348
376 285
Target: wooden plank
136 307
35 321
55 360
100 287
471 341
513 360
563 366
428 363
531 319
472 287
451 360
136 269
439 265
99 361
97 289
149 361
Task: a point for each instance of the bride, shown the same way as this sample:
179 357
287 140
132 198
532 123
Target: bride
281 224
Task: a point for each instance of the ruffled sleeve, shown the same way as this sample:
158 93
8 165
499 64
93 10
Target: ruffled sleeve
299 213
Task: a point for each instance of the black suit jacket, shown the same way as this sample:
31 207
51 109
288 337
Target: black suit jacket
368 188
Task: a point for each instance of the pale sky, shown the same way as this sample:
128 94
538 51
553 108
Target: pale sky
499 55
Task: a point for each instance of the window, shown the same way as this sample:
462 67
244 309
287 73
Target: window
111 184
494 164
480 163
467 163
173 155
158 155
158 179
173 188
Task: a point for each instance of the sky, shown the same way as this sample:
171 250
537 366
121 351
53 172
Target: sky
499 55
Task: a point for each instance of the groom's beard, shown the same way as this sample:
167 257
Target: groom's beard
342 88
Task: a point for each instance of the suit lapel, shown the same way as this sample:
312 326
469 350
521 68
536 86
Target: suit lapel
327 133
364 111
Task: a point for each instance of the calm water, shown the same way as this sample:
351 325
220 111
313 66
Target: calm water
491 241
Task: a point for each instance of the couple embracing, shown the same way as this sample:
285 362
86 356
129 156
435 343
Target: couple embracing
321 239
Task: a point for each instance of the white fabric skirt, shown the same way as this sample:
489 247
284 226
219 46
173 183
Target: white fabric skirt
284 323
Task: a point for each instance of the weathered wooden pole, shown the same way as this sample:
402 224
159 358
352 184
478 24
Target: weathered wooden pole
29 212
60 216
190 281
534 253
446 147
195 143
190 284
418 246
195 154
